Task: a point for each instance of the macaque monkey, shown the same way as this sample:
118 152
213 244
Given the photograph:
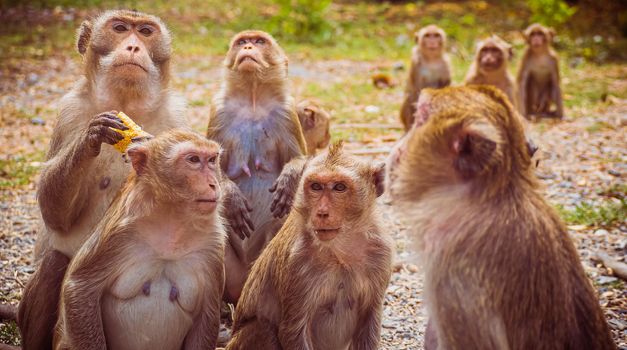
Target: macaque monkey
430 67
254 118
321 281
500 269
315 122
152 274
490 66
126 57
538 75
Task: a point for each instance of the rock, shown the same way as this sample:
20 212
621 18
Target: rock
614 172
372 109
37 121
606 279
601 232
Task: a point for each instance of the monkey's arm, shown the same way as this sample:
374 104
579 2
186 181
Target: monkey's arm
522 81
379 272
238 209
369 329
285 186
204 332
84 284
411 95
556 90
64 182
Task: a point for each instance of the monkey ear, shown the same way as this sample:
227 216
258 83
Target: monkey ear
139 158
84 35
310 119
417 37
531 147
552 34
378 175
474 146
510 52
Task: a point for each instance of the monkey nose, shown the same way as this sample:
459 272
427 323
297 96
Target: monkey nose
133 48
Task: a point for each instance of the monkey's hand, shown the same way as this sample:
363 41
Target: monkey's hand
100 130
284 189
237 211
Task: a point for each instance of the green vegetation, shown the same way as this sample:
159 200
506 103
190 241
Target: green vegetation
9 334
19 170
608 214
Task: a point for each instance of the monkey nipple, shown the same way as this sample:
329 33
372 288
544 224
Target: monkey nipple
146 288
174 293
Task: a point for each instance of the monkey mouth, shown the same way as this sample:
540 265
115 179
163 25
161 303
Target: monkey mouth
207 200
327 234
247 58
131 64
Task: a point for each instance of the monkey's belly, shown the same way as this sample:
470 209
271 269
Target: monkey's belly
333 327
152 321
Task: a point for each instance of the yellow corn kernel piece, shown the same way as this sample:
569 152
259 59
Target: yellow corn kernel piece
134 131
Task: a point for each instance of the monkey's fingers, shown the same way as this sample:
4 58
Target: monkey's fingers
104 121
108 135
249 223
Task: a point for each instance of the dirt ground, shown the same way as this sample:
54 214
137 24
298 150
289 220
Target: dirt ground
578 161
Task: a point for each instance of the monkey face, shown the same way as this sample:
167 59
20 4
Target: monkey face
252 51
537 39
180 167
491 58
129 46
329 195
336 190
431 41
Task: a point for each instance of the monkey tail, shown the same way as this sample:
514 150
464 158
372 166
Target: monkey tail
8 313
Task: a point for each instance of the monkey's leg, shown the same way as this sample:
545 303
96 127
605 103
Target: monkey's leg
7 312
235 274
258 334
38 310
431 338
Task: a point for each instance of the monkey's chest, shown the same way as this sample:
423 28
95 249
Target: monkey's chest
336 319
254 150
152 305
431 74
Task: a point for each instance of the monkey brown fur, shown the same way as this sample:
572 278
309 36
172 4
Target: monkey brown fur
320 282
254 118
152 274
430 67
315 122
490 66
538 75
126 57
500 269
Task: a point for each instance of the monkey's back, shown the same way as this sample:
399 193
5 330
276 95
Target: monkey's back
514 271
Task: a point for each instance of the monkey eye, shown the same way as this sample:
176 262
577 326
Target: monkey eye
147 31
241 41
316 186
339 187
260 41
193 159
212 160
120 27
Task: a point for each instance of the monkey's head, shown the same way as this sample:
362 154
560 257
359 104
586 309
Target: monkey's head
253 51
468 138
431 38
127 49
336 190
311 115
493 54
538 36
180 168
